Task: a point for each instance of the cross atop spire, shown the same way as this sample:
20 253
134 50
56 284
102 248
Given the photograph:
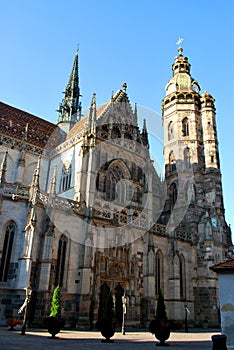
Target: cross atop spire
179 43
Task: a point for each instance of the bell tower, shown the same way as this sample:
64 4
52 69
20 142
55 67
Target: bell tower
193 178
181 119
190 139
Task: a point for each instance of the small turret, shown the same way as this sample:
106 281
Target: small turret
181 64
144 135
92 115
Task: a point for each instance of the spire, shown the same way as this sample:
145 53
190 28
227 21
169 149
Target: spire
144 135
70 108
3 168
35 183
92 115
135 110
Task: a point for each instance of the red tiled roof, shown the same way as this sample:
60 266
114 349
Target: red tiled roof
223 266
41 133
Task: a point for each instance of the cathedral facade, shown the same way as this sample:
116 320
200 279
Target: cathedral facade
82 207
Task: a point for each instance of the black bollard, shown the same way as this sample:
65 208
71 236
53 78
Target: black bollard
219 342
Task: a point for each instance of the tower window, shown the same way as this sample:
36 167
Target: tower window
172 161
6 253
170 131
187 157
185 127
212 159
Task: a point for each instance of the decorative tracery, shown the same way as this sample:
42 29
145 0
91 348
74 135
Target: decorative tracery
65 182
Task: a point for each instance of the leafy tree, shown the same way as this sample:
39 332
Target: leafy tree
55 310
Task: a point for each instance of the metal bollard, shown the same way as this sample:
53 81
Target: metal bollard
219 342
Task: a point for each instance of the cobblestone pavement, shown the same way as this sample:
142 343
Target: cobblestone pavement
73 339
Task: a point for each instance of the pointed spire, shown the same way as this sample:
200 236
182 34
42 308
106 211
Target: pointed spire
53 181
3 168
92 115
70 107
144 135
35 183
135 110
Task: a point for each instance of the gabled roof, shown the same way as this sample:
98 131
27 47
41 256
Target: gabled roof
79 126
13 122
223 266
115 100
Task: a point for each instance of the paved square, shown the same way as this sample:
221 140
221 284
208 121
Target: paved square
72 339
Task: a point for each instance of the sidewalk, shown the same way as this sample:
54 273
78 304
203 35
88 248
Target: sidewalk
72 339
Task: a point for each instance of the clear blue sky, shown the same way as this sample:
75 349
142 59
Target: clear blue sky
132 41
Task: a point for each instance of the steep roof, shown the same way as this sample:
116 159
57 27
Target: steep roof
13 122
78 127
119 97
223 266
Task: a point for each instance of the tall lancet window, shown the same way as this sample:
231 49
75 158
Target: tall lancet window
65 182
6 252
61 260
182 278
158 272
185 127
187 157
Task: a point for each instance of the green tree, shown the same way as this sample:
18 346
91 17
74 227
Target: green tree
161 314
55 310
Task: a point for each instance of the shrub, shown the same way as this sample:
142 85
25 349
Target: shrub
55 310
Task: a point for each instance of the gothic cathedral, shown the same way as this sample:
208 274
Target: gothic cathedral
82 207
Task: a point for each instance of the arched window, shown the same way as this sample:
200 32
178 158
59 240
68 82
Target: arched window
172 161
6 252
115 185
187 157
182 277
61 259
65 182
170 131
158 272
185 127
173 193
